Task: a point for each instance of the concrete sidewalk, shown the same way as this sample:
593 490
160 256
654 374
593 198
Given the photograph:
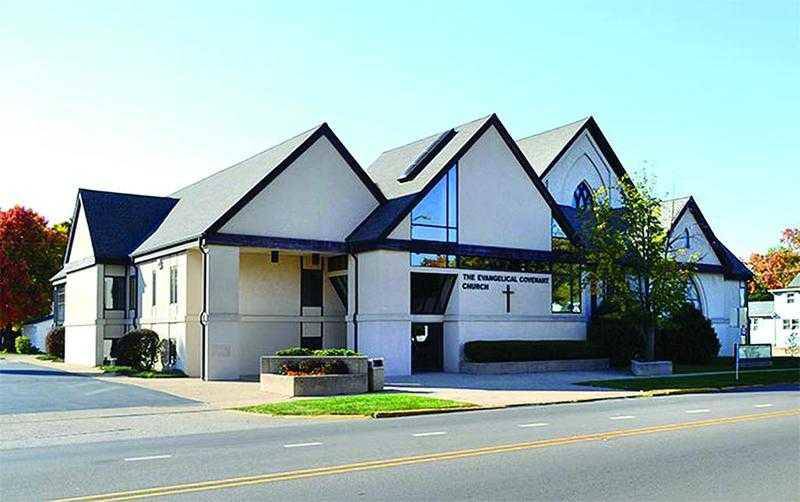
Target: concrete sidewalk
482 390
507 390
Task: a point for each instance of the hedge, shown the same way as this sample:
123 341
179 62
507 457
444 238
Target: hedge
688 338
138 349
501 351
301 351
54 342
23 345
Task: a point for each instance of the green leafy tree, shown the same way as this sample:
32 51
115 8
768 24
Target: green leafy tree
641 272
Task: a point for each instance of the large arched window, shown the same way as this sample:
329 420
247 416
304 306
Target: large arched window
582 197
693 295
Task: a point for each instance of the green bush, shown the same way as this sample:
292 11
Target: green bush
138 349
300 351
500 351
23 345
688 338
620 339
294 351
54 342
315 367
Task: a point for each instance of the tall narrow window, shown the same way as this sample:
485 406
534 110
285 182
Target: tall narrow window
153 293
687 241
58 307
582 197
435 218
114 293
173 285
133 286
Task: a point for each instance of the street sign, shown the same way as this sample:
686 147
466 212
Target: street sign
754 355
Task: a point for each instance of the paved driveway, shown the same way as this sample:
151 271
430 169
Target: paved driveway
25 388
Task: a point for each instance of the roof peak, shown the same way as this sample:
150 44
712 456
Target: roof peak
307 131
579 121
437 134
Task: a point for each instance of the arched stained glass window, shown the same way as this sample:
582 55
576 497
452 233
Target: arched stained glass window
693 295
582 197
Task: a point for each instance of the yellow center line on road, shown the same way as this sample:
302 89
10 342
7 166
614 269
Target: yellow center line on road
418 459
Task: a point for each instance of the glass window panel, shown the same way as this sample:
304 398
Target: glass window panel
555 230
114 293
452 235
132 292
428 233
452 198
432 210
432 260
566 288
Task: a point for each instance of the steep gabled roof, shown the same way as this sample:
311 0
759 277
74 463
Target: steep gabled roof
673 210
119 222
544 149
407 173
206 205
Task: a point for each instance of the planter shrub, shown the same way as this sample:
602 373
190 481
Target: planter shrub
620 339
688 337
301 351
138 349
502 351
23 345
54 342
315 367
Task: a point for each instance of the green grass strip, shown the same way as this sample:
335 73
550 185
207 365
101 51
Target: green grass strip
789 376
365 404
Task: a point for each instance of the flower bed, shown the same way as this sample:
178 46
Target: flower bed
314 375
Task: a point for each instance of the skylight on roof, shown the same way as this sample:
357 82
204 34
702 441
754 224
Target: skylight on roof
426 155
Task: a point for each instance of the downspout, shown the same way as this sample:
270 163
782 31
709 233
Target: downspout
204 311
355 303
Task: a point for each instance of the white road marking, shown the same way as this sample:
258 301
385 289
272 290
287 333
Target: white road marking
151 457
298 445
425 434
535 424
700 410
99 391
763 406
622 417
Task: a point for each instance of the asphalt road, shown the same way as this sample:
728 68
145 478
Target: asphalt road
731 446
25 388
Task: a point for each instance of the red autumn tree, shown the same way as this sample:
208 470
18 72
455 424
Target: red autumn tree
777 267
30 253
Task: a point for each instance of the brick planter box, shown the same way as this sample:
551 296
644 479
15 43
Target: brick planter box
651 368
355 382
534 366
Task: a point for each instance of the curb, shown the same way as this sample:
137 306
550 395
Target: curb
432 411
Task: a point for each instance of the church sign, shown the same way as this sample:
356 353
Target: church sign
481 282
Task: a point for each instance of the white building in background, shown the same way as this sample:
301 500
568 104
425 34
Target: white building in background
773 322
451 238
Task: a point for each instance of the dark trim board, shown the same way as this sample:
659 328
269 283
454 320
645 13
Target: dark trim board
277 243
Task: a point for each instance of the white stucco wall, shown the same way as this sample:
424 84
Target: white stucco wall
83 323
81 240
37 332
384 322
583 161
178 321
317 197
699 247
720 299
498 204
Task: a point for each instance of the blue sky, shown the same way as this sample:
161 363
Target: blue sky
146 97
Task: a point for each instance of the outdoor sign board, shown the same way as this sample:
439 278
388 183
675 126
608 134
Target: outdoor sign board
754 355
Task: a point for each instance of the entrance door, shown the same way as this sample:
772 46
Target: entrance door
427 347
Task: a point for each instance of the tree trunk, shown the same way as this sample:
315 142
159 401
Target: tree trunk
650 343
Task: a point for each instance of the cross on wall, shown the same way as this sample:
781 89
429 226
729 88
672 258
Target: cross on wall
508 294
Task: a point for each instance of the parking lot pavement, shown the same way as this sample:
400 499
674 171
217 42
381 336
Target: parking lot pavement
27 388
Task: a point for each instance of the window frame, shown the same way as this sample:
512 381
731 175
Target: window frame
173 285
153 296
574 278
449 229
789 297
117 293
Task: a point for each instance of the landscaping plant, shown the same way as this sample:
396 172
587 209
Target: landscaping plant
54 342
138 349
23 345
688 337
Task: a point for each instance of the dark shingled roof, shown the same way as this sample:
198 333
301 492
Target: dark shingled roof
381 219
542 148
119 223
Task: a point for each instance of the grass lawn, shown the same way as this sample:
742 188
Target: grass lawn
700 381
726 364
48 357
128 371
365 404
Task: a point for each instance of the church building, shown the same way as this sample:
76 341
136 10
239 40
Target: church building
451 238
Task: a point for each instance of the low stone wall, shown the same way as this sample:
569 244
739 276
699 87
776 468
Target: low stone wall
355 382
651 368
534 366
